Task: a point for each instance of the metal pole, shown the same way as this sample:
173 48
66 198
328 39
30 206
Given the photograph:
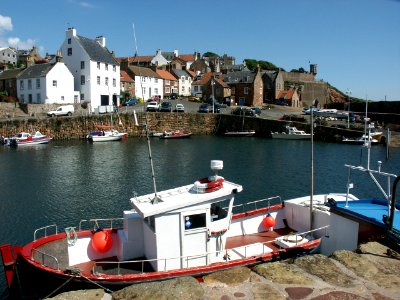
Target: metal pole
212 91
312 169
348 115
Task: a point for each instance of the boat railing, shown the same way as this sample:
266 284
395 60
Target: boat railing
45 228
97 222
43 256
142 263
262 203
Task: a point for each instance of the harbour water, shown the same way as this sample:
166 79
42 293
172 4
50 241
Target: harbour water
64 182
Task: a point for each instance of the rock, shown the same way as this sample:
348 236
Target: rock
229 277
283 273
184 288
97 294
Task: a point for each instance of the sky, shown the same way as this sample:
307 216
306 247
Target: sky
355 43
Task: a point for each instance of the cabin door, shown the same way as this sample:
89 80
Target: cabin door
195 248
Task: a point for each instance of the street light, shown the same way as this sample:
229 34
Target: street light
348 92
212 92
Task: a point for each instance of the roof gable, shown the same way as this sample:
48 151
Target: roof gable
35 71
165 74
95 51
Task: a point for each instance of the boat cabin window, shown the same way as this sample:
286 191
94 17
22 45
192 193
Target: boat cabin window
195 221
150 221
219 210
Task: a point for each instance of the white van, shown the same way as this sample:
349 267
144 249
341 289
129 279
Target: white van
66 110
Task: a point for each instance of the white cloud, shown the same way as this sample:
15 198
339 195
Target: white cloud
86 4
17 43
5 24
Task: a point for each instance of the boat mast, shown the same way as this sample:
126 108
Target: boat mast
146 127
312 165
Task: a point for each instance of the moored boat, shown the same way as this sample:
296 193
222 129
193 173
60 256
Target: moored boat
177 134
25 138
291 133
240 133
190 230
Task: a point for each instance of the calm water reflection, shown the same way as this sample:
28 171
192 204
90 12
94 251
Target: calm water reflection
64 182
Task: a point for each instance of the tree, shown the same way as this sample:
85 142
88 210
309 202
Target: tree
210 54
264 65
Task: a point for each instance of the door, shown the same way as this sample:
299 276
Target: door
195 248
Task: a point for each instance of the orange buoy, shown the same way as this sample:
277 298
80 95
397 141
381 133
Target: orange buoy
101 241
268 221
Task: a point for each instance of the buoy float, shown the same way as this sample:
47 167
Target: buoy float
102 241
209 184
268 221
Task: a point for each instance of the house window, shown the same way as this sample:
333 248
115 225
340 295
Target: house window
38 98
233 91
83 80
62 98
38 83
114 68
196 88
76 98
106 66
195 221
22 96
144 79
143 91
82 97
155 80
98 65
98 80
183 78
69 41
246 90
106 81
156 91
167 82
55 83
167 90
82 65
69 51
183 89
114 82
29 84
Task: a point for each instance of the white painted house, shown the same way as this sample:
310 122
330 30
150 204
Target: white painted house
95 70
185 82
147 82
46 84
8 56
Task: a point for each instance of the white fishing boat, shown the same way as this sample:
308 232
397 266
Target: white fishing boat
106 136
291 133
190 230
25 138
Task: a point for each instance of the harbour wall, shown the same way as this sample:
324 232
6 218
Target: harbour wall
77 127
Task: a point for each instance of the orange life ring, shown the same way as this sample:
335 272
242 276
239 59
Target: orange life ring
206 185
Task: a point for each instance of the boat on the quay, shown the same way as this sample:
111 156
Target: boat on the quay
291 133
190 230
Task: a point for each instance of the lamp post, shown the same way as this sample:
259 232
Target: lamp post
348 92
212 92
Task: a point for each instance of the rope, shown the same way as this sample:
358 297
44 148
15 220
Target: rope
98 284
49 295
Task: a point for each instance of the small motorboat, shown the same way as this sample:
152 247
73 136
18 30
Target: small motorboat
240 133
25 138
177 134
291 133
363 140
105 134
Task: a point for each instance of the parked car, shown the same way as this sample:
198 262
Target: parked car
203 108
173 96
152 106
166 106
179 108
132 101
154 98
242 110
65 110
281 102
256 110
194 99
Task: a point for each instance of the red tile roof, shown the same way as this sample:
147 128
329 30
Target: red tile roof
187 57
133 59
125 76
286 94
165 75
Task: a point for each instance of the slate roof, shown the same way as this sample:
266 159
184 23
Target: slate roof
95 51
141 71
10 74
181 73
240 77
36 71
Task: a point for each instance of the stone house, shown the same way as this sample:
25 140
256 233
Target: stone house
170 83
209 84
8 81
95 70
246 87
127 85
291 97
273 84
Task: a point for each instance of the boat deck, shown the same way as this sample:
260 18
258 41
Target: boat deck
59 249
